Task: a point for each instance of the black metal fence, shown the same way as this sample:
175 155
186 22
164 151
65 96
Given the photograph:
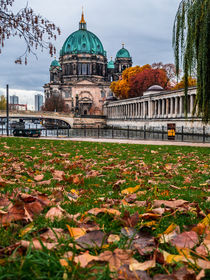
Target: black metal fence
182 134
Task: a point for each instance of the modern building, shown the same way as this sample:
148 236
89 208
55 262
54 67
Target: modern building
14 99
38 102
83 75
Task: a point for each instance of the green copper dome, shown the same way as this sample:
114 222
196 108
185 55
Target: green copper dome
55 63
82 41
110 65
123 53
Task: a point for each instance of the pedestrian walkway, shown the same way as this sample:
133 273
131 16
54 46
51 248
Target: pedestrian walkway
128 141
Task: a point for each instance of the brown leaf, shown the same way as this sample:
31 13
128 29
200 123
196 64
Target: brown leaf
36 244
130 221
52 234
187 239
85 259
184 274
170 204
116 258
142 266
54 213
39 177
58 175
113 238
124 273
96 211
47 182
91 239
144 244
203 264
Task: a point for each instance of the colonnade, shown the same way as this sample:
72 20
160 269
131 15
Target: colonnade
162 106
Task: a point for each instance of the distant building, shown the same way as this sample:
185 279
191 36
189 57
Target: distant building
14 99
38 102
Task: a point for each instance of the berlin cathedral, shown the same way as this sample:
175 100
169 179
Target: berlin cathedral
83 75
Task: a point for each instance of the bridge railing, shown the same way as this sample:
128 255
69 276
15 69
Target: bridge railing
182 133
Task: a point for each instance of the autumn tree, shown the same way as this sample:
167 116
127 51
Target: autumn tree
170 71
136 80
191 43
140 82
181 85
34 29
55 103
2 102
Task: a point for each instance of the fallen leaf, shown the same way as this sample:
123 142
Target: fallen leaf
170 204
124 273
39 177
116 258
36 244
142 266
203 264
76 232
54 213
96 211
113 238
85 259
91 239
187 239
131 190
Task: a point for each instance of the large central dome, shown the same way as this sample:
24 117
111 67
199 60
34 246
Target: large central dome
82 41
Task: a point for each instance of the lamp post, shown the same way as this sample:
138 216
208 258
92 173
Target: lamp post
7 91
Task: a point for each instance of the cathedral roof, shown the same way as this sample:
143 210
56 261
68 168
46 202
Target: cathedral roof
110 65
55 63
123 53
82 41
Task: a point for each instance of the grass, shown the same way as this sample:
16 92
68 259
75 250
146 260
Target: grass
154 168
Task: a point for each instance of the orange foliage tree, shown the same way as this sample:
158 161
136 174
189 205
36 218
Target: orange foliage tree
191 83
136 80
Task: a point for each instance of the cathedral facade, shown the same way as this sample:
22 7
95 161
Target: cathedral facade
83 75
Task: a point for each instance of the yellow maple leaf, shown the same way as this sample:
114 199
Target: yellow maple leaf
130 190
206 220
76 232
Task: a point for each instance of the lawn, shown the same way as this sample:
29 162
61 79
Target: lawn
81 210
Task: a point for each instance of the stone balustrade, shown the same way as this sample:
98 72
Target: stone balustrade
152 105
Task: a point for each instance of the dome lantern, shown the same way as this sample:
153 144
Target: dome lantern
82 23
123 52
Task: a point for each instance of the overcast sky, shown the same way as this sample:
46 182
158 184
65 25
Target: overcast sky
145 26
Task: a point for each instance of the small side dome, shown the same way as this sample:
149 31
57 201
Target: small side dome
123 53
155 88
110 64
55 63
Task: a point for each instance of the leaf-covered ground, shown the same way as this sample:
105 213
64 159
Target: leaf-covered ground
79 210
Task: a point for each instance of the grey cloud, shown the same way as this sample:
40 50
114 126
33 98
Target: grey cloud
145 26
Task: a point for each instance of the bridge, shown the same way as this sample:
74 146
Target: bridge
68 118
32 115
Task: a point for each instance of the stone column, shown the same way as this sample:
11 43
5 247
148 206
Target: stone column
191 104
176 106
180 106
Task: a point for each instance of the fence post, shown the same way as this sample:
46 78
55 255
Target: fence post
46 132
85 130
144 132
162 132
182 133
57 131
112 132
204 134
98 131
128 134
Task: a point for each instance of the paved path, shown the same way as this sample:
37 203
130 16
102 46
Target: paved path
129 141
